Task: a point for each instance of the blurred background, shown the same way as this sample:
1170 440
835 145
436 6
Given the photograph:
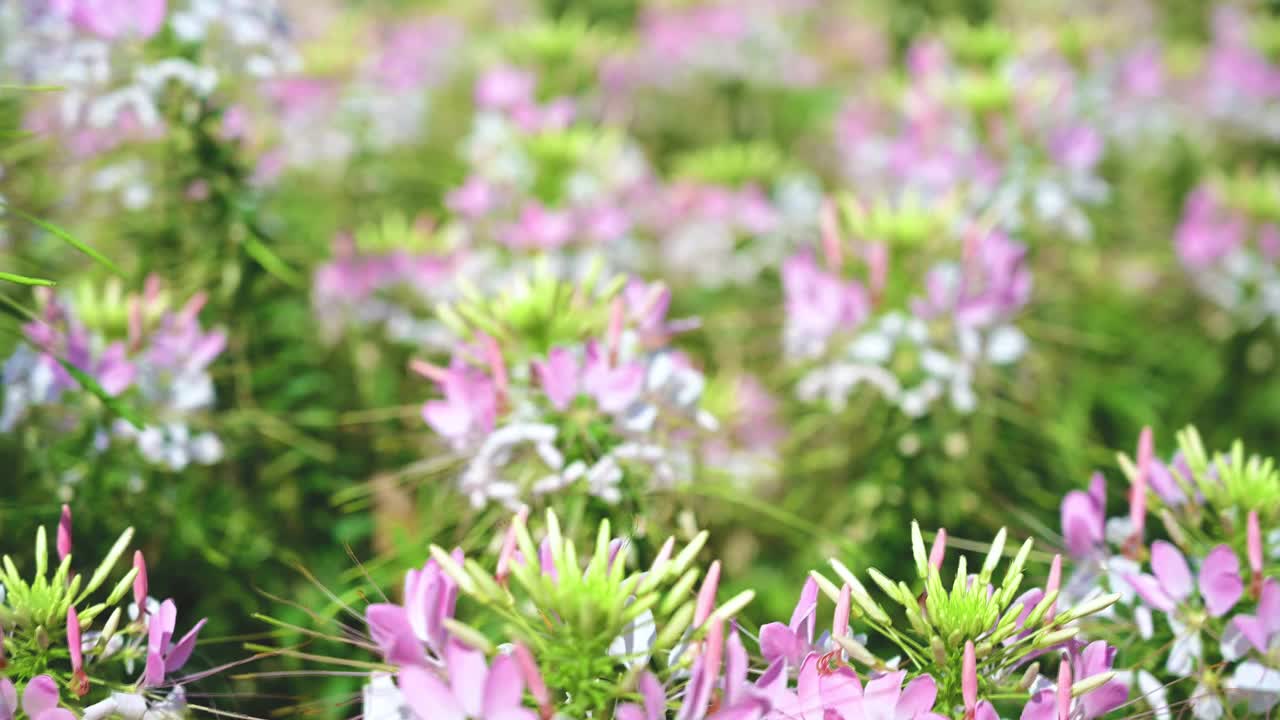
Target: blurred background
945 257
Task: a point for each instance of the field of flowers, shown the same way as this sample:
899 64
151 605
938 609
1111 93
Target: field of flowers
639 359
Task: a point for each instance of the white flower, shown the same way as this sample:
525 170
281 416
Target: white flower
382 700
1256 684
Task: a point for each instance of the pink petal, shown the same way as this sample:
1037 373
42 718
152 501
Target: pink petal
1220 582
1269 606
447 419
802 620
880 697
511 714
778 641
842 692
655 698
1041 706
1081 523
917 698
149 16
390 628
1149 589
8 699
1170 568
807 686
154 673
41 694
182 650
558 377
631 711
467 676
1103 700
735 669
56 714
428 696
504 688
1251 627
985 711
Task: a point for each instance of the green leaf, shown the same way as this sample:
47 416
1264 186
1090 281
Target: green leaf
113 403
25 280
272 262
68 238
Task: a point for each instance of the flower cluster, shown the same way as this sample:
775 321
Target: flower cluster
1204 603
555 384
129 369
847 334
52 643
579 633
592 637
1229 242
537 178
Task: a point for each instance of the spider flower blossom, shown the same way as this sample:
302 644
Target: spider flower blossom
589 413
1233 259
1195 586
160 362
935 349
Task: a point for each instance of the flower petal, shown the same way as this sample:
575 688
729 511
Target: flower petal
467 676
41 694
181 652
428 696
917 698
1220 582
1170 568
504 688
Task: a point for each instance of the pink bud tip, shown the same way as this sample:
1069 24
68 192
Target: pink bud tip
707 595
64 533
73 640
429 371
939 548
1054 582
1255 543
1138 492
140 583
509 545
969 679
1064 690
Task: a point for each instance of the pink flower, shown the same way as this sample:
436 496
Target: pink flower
1219 579
469 407
540 228
504 88
1057 703
39 700
473 199
823 695
163 655
1208 231
819 304
474 691
1262 629
64 533
562 378
1084 517
115 19
400 631
792 642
